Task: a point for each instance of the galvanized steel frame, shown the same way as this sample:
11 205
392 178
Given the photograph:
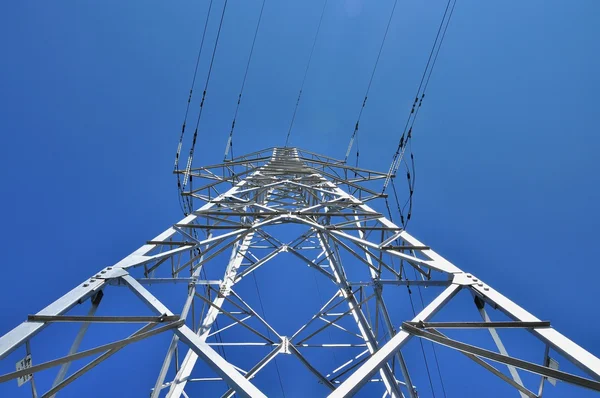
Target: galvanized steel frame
278 186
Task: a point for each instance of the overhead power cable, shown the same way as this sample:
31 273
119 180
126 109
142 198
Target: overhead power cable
312 50
405 222
387 28
437 363
229 145
187 110
405 138
192 148
402 273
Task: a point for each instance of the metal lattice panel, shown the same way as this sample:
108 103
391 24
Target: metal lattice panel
312 211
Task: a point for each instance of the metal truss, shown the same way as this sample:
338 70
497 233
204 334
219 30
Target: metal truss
363 256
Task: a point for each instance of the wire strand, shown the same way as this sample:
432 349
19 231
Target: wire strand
312 50
229 145
420 95
187 109
437 363
212 60
364 103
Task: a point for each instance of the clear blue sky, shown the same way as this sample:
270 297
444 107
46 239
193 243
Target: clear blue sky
92 96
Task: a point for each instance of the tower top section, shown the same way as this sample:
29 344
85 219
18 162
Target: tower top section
276 164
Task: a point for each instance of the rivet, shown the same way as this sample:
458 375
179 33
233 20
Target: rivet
486 288
103 272
92 280
85 285
475 279
109 268
480 284
468 275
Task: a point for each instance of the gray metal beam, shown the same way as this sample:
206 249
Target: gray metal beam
357 379
505 359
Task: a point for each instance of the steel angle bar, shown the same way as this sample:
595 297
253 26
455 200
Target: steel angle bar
215 226
241 161
219 220
496 372
348 367
191 356
209 248
410 259
345 167
367 244
362 323
362 228
102 319
498 341
203 258
224 328
332 322
310 367
404 247
189 302
254 313
219 365
355 381
95 301
546 362
480 325
256 368
257 264
56 388
335 325
311 264
390 239
171 243
438 262
86 353
567 348
505 359
369 264
322 311
130 260
403 282
26 330
184 233
353 185
215 183
158 386
383 308
174 281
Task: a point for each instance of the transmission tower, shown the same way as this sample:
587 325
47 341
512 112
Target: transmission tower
315 212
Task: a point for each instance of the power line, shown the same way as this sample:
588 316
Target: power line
433 55
420 340
312 50
404 223
212 60
387 28
229 144
187 109
437 363
402 271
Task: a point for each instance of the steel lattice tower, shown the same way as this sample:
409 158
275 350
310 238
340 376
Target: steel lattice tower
323 205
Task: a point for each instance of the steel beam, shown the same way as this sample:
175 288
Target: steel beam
505 359
357 379
219 365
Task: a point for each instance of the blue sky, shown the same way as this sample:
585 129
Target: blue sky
92 98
